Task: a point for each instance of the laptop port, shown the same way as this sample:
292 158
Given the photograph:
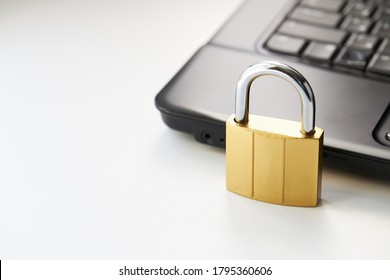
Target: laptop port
382 130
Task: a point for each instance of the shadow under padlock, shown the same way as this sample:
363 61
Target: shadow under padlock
270 159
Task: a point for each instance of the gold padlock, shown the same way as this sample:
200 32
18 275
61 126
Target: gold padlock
273 160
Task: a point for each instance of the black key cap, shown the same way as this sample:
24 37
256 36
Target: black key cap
380 64
384 48
381 29
314 33
314 16
383 12
360 9
285 44
362 42
355 23
319 52
352 58
329 5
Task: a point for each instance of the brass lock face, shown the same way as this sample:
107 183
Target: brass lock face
274 160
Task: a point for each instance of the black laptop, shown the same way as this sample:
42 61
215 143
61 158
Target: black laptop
342 47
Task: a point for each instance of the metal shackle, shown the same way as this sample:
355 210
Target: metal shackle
273 68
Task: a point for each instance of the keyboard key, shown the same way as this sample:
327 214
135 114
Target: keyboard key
285 44
311 32
362 42
384 48
329 5
383 13
351 35
381 29
356 24
319 52
314 16
360 9
380 64
352 58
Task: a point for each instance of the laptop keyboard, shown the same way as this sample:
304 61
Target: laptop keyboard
348 35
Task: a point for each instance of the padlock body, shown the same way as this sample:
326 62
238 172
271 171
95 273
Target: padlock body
270 160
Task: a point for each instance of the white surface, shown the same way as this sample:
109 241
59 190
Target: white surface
89 171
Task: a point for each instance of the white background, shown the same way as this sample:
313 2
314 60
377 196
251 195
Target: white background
88 170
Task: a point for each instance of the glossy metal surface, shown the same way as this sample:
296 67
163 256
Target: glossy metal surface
274 160
285 72
270 160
